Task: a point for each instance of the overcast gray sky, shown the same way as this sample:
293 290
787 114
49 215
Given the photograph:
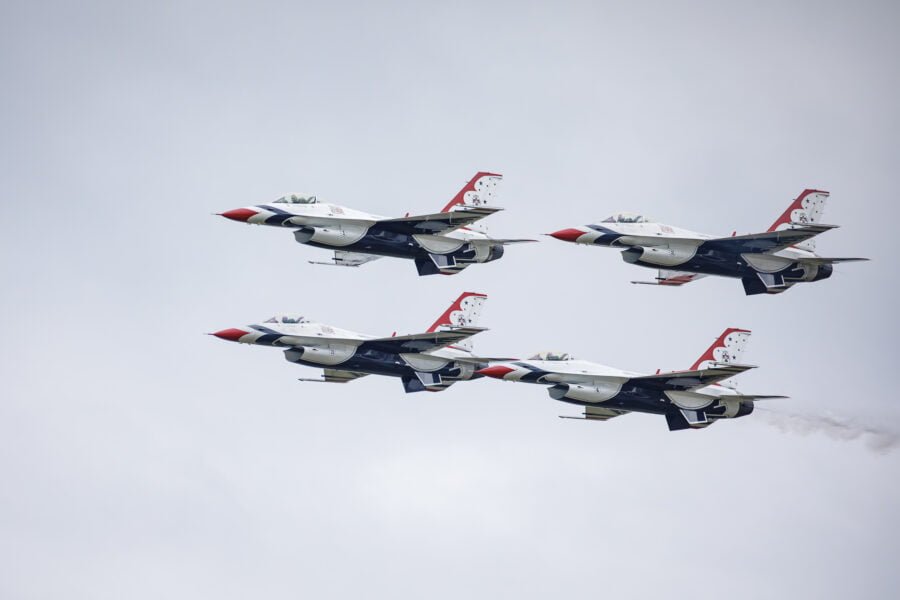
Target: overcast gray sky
142 459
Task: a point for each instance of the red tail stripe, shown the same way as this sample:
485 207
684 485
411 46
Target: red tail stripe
797 203
720 341
444 319
469 187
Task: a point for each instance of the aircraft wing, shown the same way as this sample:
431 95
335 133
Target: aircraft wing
343 258
436 223
687 380
421 342
672 278
768 242
675 380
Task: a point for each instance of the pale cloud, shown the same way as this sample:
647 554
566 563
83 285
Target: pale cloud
141 458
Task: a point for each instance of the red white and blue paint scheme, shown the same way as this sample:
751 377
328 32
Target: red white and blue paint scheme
440 242
766 263
432 361
690 399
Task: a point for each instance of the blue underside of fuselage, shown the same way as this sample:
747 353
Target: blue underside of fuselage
632 400
381 243
655 403
710 259
376 362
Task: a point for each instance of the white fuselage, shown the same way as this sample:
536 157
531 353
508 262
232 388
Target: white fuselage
324 344
350 223
642 234
587 373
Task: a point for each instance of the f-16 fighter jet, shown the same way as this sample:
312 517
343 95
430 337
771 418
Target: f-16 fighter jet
766 263
689 399
431 361
438 243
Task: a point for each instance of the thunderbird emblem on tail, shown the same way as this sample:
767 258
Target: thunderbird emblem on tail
766 263
437 243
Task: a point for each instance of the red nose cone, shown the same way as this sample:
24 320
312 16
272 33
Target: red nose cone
232 335
567 235
496 371
239 214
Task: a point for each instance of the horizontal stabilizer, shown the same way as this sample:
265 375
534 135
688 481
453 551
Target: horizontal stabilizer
822 260
754 397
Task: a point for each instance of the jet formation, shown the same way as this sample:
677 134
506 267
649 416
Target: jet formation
448 241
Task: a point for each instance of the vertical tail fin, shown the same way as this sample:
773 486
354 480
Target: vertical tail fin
464 312
728 348
806 208
480 191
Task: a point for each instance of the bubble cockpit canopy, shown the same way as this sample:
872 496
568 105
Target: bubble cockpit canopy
552 356
286 319
296 199
627 217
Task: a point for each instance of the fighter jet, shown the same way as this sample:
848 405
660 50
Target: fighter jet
431 361
440 242
766 263
690 399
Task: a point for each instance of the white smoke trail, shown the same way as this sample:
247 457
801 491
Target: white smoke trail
879 440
